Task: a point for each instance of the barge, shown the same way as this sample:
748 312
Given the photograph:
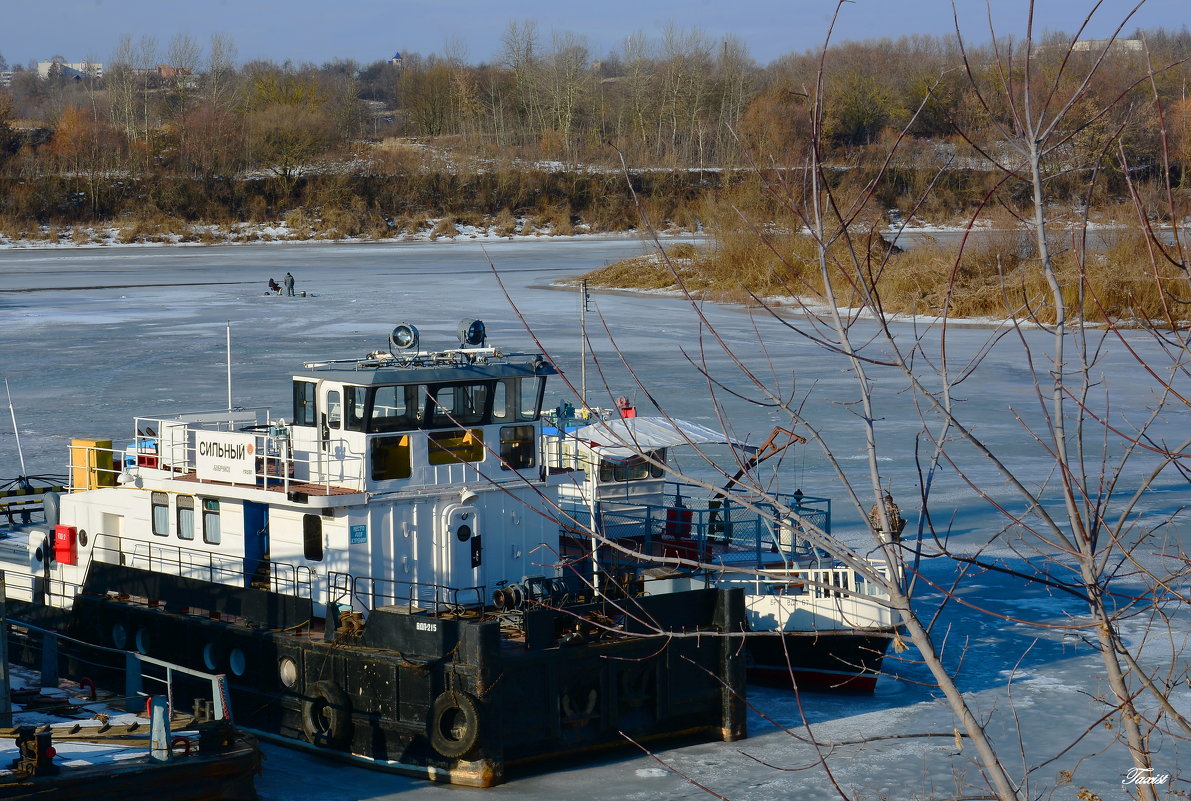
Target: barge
379 572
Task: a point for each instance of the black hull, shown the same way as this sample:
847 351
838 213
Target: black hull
845 660
449 699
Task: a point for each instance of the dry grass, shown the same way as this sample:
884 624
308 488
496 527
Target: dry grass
996 279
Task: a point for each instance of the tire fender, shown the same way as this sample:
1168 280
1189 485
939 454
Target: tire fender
327 715
455 724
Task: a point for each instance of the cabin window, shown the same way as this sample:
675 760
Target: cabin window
211 533
185 517
389 457
334 410
304 408
516 447
529 401
312 538
460 404
635 469
451 447
395 408
355 401
161 513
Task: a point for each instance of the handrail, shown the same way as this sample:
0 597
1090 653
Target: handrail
369 593
285 578
219 693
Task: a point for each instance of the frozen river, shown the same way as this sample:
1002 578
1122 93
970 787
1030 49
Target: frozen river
91 338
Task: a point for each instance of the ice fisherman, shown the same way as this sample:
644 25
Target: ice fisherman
289 284
274 287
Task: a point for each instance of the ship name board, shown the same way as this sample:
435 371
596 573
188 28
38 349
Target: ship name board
225 456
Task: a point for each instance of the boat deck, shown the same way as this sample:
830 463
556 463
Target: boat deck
277 485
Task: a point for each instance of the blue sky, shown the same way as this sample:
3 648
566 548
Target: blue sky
368 30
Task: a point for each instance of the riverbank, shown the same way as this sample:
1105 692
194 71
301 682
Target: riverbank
445 229
983 276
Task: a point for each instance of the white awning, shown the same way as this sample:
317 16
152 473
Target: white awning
624 438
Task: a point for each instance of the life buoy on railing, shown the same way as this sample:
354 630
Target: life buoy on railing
327 715
180 742
455 724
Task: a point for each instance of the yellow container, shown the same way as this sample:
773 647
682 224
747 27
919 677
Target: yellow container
91 464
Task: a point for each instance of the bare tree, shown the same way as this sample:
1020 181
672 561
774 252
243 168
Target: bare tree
1082 525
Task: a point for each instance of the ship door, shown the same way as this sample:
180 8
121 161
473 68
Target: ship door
256 545
463 546
331 418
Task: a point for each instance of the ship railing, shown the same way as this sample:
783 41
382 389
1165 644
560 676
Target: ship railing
281 577
49 652
697 526
830 582
171 444
22 498
366 593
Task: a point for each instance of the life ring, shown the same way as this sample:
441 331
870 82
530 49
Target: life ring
180 742
327 715
454 724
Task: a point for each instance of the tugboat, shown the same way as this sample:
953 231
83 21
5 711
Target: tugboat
814 620
379 572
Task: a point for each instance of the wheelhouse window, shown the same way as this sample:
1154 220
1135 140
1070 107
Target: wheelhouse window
211 528
304 406
395 408
161 513
185 516
334 410
516 447
452 447
355 401
501 397
389 457
312 538
460 404
529 398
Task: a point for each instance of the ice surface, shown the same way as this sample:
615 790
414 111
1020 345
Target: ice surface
91 338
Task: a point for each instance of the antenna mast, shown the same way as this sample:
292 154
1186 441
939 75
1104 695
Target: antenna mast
229 365
584 298
15 430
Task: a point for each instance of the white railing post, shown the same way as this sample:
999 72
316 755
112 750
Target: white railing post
159 729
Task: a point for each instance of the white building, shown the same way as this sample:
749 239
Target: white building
79 69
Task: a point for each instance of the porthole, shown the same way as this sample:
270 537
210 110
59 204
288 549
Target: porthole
142 641
82 538
210 657
237 662
119 636
463 533
287 671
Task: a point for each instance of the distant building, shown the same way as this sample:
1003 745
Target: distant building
6 79
396 60
1126 45
168 73
77 70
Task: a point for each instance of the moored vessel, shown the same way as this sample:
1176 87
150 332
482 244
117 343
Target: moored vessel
379 572
814 620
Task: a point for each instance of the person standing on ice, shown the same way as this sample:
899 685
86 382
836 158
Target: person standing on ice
289 284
